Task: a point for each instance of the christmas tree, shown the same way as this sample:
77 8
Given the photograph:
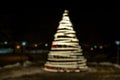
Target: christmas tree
66 53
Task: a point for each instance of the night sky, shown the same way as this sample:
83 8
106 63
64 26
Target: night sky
40 24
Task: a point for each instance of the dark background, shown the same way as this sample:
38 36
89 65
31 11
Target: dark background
94 25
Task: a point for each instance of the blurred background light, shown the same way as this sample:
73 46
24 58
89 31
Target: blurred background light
23 43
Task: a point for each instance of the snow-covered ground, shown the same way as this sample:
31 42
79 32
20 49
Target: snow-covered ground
17 70
28 68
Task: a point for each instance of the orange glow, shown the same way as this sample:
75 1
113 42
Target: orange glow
18 46
100 46
36 45
91 49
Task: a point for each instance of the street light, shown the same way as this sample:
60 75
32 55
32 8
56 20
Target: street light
117 43
95 46
23 46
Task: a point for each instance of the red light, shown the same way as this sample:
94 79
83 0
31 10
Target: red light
54 46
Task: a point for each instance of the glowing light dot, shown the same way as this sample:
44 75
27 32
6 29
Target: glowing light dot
36 45
95 46
91 49
46 44
101 47
23 43
5 42
18 46
117 42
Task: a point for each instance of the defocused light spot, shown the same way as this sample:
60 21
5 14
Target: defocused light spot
23 43
17 46
117 42
91 49
46 44
95 46
5 42
35 45
101 47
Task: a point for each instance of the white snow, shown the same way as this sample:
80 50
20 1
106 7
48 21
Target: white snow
12 65
21 72
27 63
18 70
117 66
106 63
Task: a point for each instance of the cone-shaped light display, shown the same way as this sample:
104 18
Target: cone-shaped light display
66 53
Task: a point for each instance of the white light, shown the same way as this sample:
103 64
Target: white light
117 42
66 53
46 44
23 43
5 42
